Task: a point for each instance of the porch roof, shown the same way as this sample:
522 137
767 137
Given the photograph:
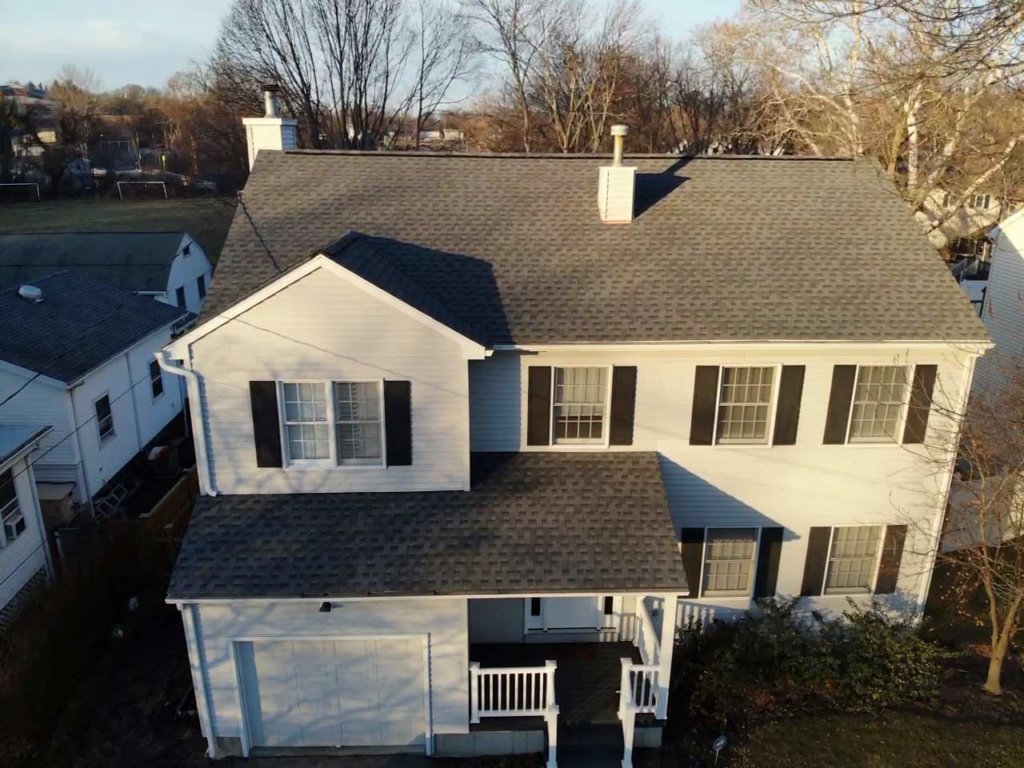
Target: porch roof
532 523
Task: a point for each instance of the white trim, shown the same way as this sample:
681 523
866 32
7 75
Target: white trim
189 613
753 562
975 346
769 441
472 349
433 596
240 693
901 422
878 559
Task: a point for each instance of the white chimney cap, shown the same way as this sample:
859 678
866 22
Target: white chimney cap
620 130
31 293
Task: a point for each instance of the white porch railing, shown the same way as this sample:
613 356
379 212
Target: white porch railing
646 638
516 692
639 688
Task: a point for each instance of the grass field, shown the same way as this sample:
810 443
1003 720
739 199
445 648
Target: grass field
207 219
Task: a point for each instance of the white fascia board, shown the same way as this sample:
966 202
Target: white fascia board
378 598
169 327
974 347
1001 226
177 348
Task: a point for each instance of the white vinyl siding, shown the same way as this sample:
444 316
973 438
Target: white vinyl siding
358 419
878 400
729 561
580 403
853 559
307 434
744 404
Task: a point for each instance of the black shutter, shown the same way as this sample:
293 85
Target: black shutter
266 423
692 547
398 423
843 377
920 403
705 395
892 555
538 413
787 415
816 562
623 404
768 554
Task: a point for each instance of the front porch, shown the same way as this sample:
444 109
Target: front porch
602 684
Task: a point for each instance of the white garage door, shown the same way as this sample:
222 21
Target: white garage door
334 693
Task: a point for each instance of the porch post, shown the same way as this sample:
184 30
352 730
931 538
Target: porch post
669 608
474 692
551 720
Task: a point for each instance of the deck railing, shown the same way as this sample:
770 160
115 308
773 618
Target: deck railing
511 691
639 688
646 639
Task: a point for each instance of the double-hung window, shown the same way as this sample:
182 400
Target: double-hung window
744 405
338 422
357 416
878 401
729 561
156 379
10 514
853 559
104 418
307 430
201 286
579 405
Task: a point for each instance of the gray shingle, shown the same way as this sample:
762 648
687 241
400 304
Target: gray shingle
722 248
534 522
135 261
78 325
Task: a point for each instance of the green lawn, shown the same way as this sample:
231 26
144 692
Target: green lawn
894 740
205 218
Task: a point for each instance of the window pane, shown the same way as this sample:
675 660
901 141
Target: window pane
357 411
877 403
851 566
744 404
305 416
728 561
579 404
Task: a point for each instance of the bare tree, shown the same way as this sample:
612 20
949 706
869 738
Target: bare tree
982 544
443 57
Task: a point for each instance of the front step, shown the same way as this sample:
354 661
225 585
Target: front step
590 736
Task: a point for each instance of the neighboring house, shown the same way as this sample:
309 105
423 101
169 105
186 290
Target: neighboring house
78 355
471 445
24 553
169 266
1002 310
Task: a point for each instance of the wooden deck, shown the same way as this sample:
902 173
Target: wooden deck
586 681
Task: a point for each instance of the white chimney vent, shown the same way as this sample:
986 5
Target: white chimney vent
270 131
31 293
616 184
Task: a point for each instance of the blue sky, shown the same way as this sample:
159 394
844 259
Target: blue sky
146 41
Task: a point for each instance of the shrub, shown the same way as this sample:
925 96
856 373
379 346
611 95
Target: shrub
782 663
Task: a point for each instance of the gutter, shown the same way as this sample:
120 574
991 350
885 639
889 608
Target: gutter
199 434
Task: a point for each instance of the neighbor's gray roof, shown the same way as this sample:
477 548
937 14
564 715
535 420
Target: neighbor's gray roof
79 324
135 261
721 249
534 522
14 438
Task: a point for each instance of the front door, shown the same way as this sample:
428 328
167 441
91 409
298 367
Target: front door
565 613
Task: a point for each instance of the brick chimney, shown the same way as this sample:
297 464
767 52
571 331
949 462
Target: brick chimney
616 184
270 131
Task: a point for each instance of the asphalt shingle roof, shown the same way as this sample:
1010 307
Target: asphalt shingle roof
135 261
721 249
534 522
79 324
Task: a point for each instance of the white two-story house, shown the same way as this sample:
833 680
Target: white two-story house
476 433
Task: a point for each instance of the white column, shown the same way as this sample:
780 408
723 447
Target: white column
474 692
551 719
668 637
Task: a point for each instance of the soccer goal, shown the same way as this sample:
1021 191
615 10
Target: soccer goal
19 191
133 190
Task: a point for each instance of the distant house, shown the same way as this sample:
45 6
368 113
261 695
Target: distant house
169 266
78 355
24 555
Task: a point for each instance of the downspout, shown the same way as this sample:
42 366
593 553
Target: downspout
202 457
78 444
197 660
135 406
